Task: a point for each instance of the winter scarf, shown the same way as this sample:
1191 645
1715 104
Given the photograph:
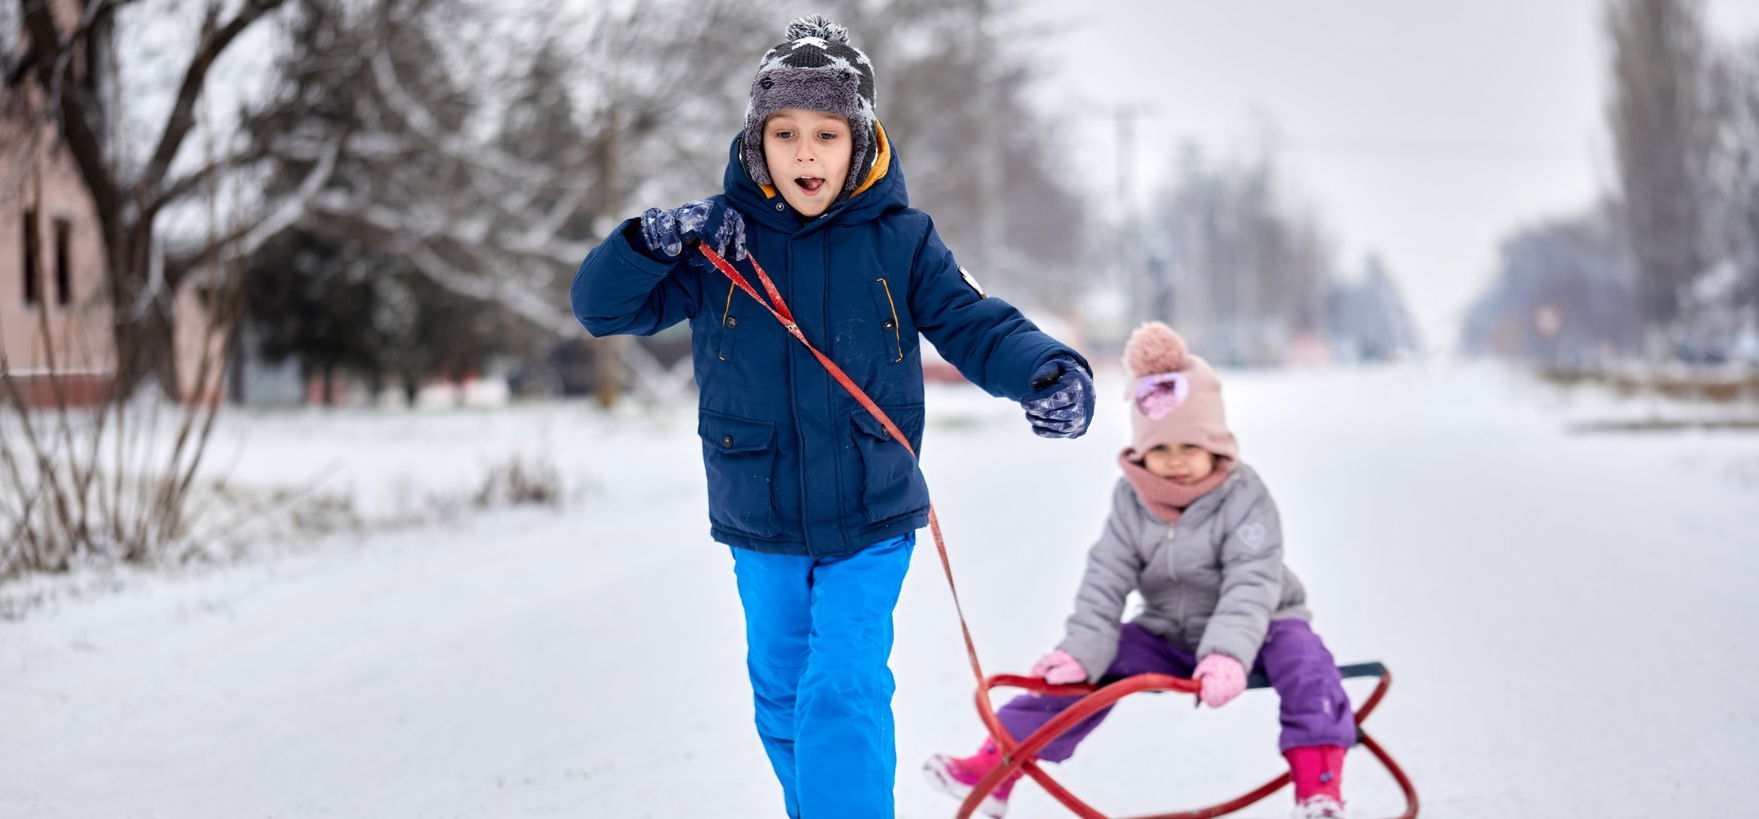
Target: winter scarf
1166 499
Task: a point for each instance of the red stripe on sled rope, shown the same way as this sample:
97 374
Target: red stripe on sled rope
779 308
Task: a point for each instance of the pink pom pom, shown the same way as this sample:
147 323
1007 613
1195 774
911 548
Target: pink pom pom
1154 348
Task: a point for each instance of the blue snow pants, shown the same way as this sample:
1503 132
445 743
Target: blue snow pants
818 634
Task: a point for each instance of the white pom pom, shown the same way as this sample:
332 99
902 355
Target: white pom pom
815 25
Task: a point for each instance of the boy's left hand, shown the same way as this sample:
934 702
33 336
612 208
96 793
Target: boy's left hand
1061 402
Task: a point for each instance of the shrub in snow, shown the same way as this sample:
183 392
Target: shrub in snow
521 480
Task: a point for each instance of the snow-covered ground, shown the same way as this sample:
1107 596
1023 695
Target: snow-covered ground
1567 614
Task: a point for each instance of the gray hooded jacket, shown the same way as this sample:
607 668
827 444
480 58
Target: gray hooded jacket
1214 580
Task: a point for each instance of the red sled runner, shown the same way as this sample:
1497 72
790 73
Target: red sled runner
1018 756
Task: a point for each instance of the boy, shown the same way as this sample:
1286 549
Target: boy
817 503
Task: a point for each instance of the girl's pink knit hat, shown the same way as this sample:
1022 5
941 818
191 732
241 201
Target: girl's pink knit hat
1175 398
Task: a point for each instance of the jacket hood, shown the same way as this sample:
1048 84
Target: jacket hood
883 190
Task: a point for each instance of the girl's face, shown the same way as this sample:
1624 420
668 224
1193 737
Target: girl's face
1183 464
808 155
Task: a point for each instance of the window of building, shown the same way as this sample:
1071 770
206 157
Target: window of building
33 281
63 262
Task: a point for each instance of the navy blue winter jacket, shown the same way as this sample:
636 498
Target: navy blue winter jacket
795 465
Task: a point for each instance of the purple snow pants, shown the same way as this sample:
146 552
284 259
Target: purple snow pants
1315 710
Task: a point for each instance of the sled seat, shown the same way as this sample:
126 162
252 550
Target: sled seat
1257 679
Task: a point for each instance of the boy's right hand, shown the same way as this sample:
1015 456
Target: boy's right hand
1058 668
665 231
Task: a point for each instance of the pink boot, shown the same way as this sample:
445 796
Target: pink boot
957 776
1318 773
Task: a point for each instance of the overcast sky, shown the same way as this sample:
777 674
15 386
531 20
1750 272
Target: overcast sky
1425 130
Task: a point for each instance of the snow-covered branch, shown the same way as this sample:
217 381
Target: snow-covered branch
538 308
285 213
416 116
187 184
290 209
214 40
518 285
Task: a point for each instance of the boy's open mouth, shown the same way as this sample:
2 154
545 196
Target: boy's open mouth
810 184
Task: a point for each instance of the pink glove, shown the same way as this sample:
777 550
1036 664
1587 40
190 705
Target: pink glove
1223 679
1058 668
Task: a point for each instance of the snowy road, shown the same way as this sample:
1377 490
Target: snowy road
1568 617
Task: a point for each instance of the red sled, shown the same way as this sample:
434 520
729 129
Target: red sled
1019 756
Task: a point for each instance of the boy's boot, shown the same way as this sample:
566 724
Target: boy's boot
957 776
1318 774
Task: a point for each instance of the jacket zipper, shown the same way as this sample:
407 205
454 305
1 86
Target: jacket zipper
726 314
1173 572
897 337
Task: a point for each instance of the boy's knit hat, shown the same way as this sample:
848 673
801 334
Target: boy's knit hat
1175 398
816 70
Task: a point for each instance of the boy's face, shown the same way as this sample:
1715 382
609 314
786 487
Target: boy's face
808 155
1183 464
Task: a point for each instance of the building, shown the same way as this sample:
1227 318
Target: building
54 312
56 328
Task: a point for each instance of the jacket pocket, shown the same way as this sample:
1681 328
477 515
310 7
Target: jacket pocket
891 329
729 325
891 483
740 458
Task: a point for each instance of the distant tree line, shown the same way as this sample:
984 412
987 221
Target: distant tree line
1667 267
1248 273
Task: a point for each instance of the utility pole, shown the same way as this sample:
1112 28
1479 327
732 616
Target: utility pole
1133 279
989 155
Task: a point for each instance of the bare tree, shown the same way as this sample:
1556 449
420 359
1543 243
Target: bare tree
1368 319
117 480
69 63
494 175
1661 131
1250 263
1735 172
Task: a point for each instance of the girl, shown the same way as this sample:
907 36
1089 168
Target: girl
1194 531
